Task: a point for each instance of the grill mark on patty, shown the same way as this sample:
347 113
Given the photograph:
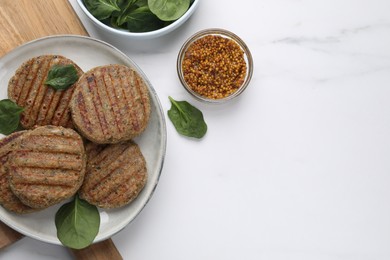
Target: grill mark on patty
28 84
143 94
83 114
62 111
136 92
44 196
118 104
50 104
97 104
102 114
43 190
20 84
93 151
108 95
107 106
7 198
24 71
66 145
133 182
57 97
61 107
43 115
97 157
141 103
121 94
43 104
3 157
27 91
62 116
31 112
111 173
104 165
115 179
63 103
126 104
10 138
50 148
110 92
87 106
49 172
55 100
125 75
41 93
54 177
105 185
52 160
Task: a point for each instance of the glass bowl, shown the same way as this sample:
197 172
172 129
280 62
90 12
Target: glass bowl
218 73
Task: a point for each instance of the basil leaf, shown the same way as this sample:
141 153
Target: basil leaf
61 76
9 116
77 223
187 119
102 9
169 10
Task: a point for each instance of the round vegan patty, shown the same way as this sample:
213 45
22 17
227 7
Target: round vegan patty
43 105
7 198
110 104
47 166
115 175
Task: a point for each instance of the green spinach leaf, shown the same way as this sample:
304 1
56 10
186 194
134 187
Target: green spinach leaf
187 119
137 15
168 10
9 116
125 7
77 223
140 3
61 76
141 19
102 9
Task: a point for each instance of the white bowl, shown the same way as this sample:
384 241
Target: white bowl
139 35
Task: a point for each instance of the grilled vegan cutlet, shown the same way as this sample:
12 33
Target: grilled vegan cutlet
7 198
110 104
43 105
115 175
46 166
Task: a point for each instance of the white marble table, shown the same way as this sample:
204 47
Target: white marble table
298 167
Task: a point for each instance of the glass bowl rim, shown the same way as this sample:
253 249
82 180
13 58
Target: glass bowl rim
226 34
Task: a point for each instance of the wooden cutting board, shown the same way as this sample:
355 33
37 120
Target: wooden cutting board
22 21
25 20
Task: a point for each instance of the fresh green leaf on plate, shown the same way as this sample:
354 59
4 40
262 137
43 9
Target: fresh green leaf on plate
9 116
61 76
77 223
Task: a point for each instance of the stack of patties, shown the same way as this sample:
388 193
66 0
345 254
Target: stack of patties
48 163
40 168
7 198
110 106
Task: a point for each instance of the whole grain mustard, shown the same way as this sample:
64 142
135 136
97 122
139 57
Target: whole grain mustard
214 66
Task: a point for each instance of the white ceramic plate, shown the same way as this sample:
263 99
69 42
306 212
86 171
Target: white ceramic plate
87 53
